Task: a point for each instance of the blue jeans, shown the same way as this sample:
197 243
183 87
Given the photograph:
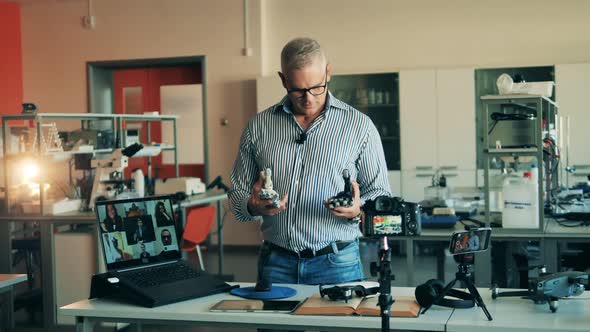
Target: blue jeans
278 266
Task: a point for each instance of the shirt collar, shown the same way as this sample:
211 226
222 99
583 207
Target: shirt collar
286 105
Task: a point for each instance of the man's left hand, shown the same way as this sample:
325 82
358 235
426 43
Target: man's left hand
348 212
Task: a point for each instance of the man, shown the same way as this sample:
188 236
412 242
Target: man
307 140
473 242
144 254
142 232
166 237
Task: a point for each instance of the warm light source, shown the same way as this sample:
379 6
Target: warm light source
30 177
30 170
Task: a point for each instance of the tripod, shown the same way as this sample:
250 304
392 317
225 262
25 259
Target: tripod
464 275
385 277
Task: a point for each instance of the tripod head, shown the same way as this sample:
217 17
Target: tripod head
466 262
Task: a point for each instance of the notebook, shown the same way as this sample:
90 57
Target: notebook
140 243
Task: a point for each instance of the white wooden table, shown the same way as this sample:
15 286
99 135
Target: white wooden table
6 283
517 314
196 312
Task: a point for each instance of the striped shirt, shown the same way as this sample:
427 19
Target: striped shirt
310 171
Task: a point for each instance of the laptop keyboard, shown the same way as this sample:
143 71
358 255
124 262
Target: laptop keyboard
155 276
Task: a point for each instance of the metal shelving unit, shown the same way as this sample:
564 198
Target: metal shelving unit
542 114
117 124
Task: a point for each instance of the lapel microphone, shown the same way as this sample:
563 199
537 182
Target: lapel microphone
302 138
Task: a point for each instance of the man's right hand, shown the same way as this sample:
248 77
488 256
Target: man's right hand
259 207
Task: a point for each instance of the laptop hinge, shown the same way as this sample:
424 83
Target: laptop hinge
145 266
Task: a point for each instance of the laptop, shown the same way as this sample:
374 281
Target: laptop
141 246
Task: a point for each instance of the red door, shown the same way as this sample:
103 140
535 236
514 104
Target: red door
137 91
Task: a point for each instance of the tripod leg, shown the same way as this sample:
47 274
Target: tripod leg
477 298
448 287
444 292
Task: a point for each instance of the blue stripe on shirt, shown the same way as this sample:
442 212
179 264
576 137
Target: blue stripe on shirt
339 138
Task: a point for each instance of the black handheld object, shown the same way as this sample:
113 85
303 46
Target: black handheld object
470 241
391 216
343 198
218 183
131 149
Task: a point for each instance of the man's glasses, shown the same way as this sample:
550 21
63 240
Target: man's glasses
314 90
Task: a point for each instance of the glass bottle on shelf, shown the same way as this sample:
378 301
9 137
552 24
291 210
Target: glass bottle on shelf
379 97
376 96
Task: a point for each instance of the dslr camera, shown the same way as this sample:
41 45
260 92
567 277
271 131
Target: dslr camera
385 216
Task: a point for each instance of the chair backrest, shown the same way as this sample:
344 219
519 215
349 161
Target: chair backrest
198 224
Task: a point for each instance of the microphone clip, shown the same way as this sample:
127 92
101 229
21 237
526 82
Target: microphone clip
302 138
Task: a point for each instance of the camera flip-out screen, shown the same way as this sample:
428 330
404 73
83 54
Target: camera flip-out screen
386 216
387 225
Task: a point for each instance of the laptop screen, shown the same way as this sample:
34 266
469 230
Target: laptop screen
136 232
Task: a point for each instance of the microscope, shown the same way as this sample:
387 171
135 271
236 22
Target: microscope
108 179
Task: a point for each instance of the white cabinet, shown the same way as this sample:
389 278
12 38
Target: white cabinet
74 268
413 184
417 97
437 124
455 92
395 182
571 92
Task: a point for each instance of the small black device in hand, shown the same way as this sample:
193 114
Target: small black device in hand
386 216
343 198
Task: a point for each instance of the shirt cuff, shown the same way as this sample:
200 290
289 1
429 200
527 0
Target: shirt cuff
245 213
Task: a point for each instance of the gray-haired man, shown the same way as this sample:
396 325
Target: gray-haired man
307 140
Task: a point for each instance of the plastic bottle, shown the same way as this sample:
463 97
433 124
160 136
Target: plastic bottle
139 182
520 202
535 178
534 173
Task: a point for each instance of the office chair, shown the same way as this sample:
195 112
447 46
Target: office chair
196 230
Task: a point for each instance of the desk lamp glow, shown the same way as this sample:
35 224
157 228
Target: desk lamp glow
30 178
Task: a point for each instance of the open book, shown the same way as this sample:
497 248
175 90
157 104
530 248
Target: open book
363 306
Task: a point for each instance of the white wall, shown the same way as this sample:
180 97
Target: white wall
360 36
385 35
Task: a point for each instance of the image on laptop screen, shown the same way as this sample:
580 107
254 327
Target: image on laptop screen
135 232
